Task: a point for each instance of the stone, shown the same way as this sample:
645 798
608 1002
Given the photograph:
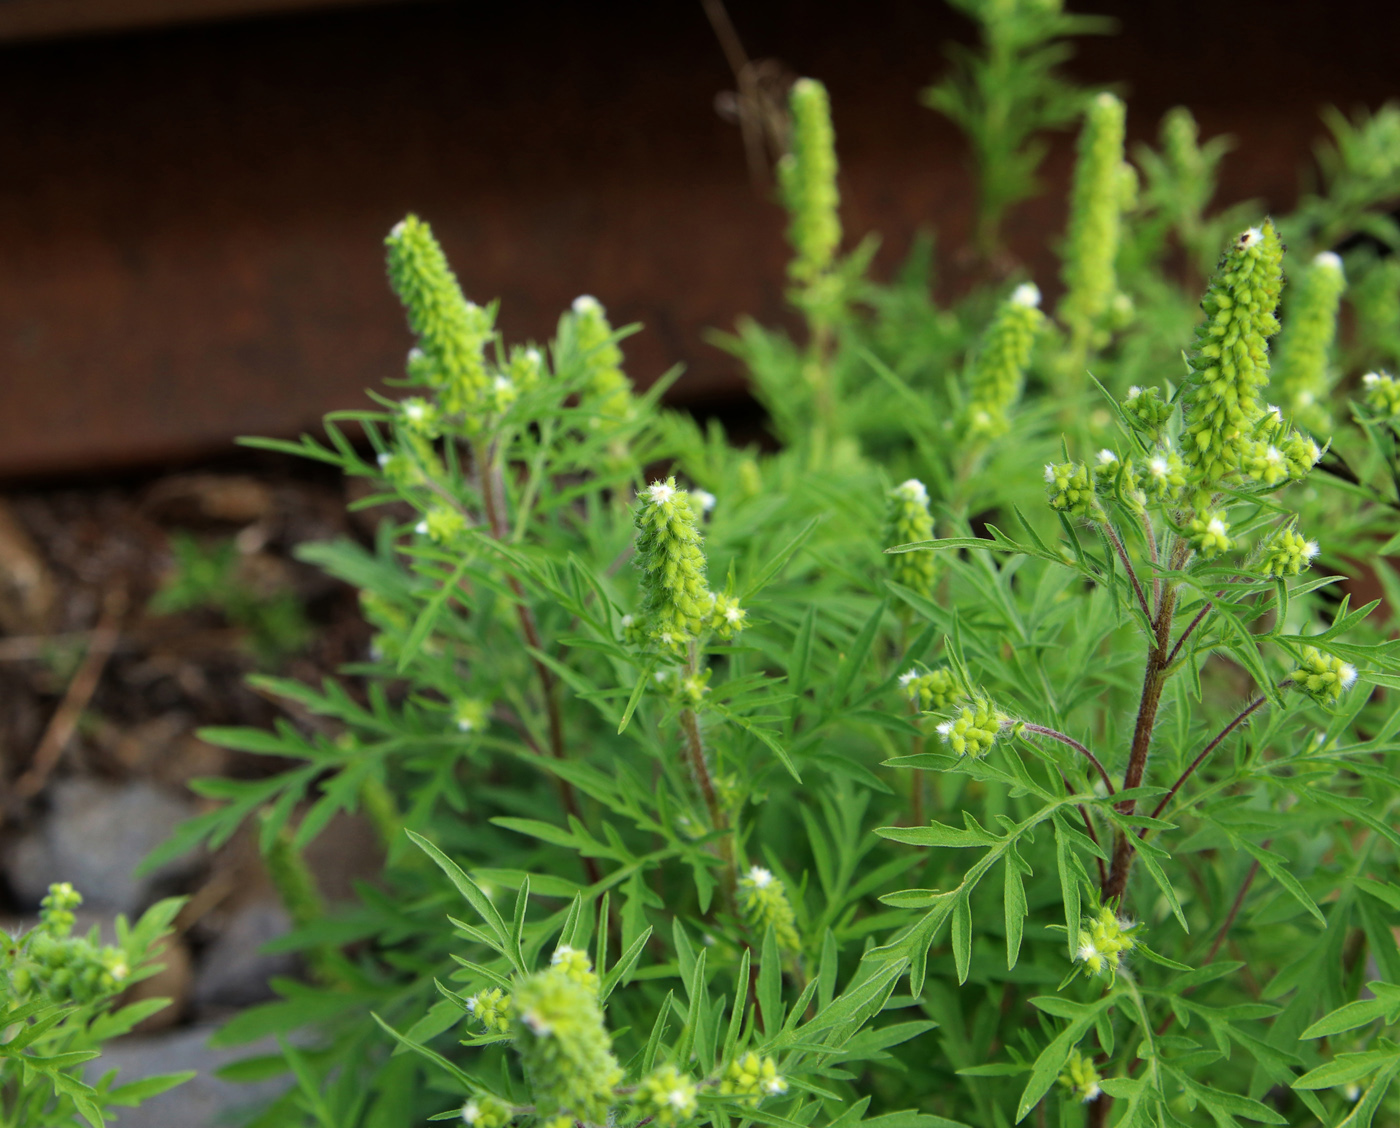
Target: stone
233 971
94 836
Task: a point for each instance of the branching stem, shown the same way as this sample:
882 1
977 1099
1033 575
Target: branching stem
1054 734
1244 715
1116 541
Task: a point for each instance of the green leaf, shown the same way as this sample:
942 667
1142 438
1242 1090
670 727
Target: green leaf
962 936
770 985
776 565
1014 905
1272 864
1358 1013
475 897
1345 1068
428 618
936 835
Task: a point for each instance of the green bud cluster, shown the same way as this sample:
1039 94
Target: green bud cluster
973 729
1118 477
1229 364
999 369
1070 487
907 520
1288 554
419 416
491 1008
452 332
727 618
1323 677
932 691
1147 411
441 525
565 1046
1103 184
752 1075
765 901
807 179
486 1112
1080 1077
667 1096
1302 374
1209 533
1382 393
525 368
1104 939
52 963
470 714
574 963
609 390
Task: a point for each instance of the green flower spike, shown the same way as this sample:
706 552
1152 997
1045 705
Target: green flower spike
999 369
1229 365
727 618
608 386
526 367
1104 939
565 1046
668 1097
419 416
452 332
1209 533
933 691
676 600
807 179
1382 393
907 520
752 1076
485 1112
470 714
1301 453
441 525
1080 1077
1288 554
1323 677
764 899
1071 490
1096 207
63 967
1301 375
491 1008
974 729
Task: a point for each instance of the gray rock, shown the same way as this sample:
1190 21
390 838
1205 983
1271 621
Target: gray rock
203 1102
233 972
93 836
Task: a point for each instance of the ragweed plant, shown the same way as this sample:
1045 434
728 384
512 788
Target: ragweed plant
60 1004
1004 744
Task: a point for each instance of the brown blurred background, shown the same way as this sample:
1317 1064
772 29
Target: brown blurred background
193 193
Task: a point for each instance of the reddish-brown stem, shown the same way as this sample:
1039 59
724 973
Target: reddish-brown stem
1206 751
1112 534
1191 626
1150 536
1053 734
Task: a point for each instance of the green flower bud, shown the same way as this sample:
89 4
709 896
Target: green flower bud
999 369
807 179
486 1112
667 1096
752 1076
1288 553
1301 375
676 601
564 1046
525 368
491 1008
470 714
400 468
1104 939
1096 206
1163 475
1080 1077
574 963
1147 411
1071 490
1265 463
727 618
452 332
1323 677
1382 393
608 387
1113 476
56 909
930 692
763 898
441 525
1229 365
907 520
1209 533
419 416
974 729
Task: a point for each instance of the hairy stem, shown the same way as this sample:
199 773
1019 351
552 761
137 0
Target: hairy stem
1116 541
1243 716
1054 734
700 772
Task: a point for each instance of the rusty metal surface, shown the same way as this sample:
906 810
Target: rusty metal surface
190 220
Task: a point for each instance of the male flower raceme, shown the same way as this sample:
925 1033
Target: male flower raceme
1288 553
974 728
667 1097
932 691
1104 939
564 1045
907 520
1382 393
485 1112
1080 1077
491 1008
1302 374
999 367
752 1076
1070 487
766 903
